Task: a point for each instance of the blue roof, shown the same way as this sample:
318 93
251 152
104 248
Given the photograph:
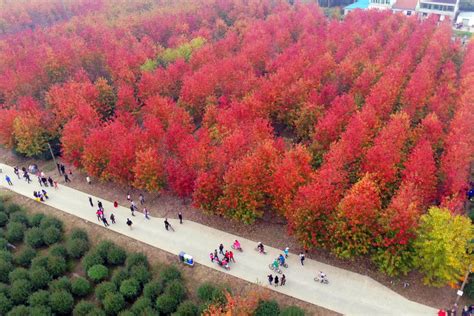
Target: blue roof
360 4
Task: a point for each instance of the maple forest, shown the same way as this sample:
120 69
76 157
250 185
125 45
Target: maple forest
350 129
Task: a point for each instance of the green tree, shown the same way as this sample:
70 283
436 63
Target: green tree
443 246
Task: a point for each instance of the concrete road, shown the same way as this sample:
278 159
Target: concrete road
347 293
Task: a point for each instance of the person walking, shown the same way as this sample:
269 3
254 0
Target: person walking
40 182
17 172
63 169
51 182
231 256
9 181
132 209
90 202
276 280
215 254
211 255
56 185
129 197
145 212
115 204
99 214
88 179
45 181
180 216
129 223
66 178
59 167
99 204
221 249
167 224
134 205
104 220
270 279
283 280
27 177
302 257
112 218
141 199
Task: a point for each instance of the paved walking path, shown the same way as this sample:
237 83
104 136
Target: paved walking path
348 293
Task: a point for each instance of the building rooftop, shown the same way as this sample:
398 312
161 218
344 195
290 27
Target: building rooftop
405 4
360 4
441 1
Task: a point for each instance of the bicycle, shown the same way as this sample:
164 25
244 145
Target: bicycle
323 280
273 268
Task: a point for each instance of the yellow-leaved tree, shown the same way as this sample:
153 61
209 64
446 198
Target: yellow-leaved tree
444 246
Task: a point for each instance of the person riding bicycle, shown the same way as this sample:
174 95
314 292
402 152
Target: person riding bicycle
260 247
281 259
286 251
322 276
276 263
236 244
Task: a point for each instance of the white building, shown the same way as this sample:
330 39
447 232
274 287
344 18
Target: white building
441 8
465 20
381 4
407 7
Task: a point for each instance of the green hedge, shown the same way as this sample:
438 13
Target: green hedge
24 256
34 237
116 255
5 304
119 275
12 208
103 289
98 273
169 274
61 302
77 247
52 235
20 217
6 255
56 266
153 289
61 284
187 308
113 303
140 305
78 233
58 250
39 277
166 304
176 290
5 268
3 219
209 293
35 219
20 310
20 290
130 289
266 308
136 258
18 274
292 311
41 311
49 221
39 298
141 273
15 232
85 308
81 287
103 247
91 259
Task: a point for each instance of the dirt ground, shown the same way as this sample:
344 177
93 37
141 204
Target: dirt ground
193 276
269 230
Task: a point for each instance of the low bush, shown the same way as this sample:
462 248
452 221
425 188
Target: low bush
3 244
40 261
51 235
166 304
292 311
19 217
39 298
18 274
90 259
141 273
266 308
23 257
5 304
103 289
136 258
209 293
469 288
85 308
80 287
34 237
153 289
61 302
56 266
126 313
20 310
113 303
61 284
77 247
116 255
103 247
130 289
15 232
119 275
4 288
49 221
140 305
98 273
78 233
12 208
5 268
187 308
20 290
39 277
3 219
59 251
35 219
176 290
169 274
